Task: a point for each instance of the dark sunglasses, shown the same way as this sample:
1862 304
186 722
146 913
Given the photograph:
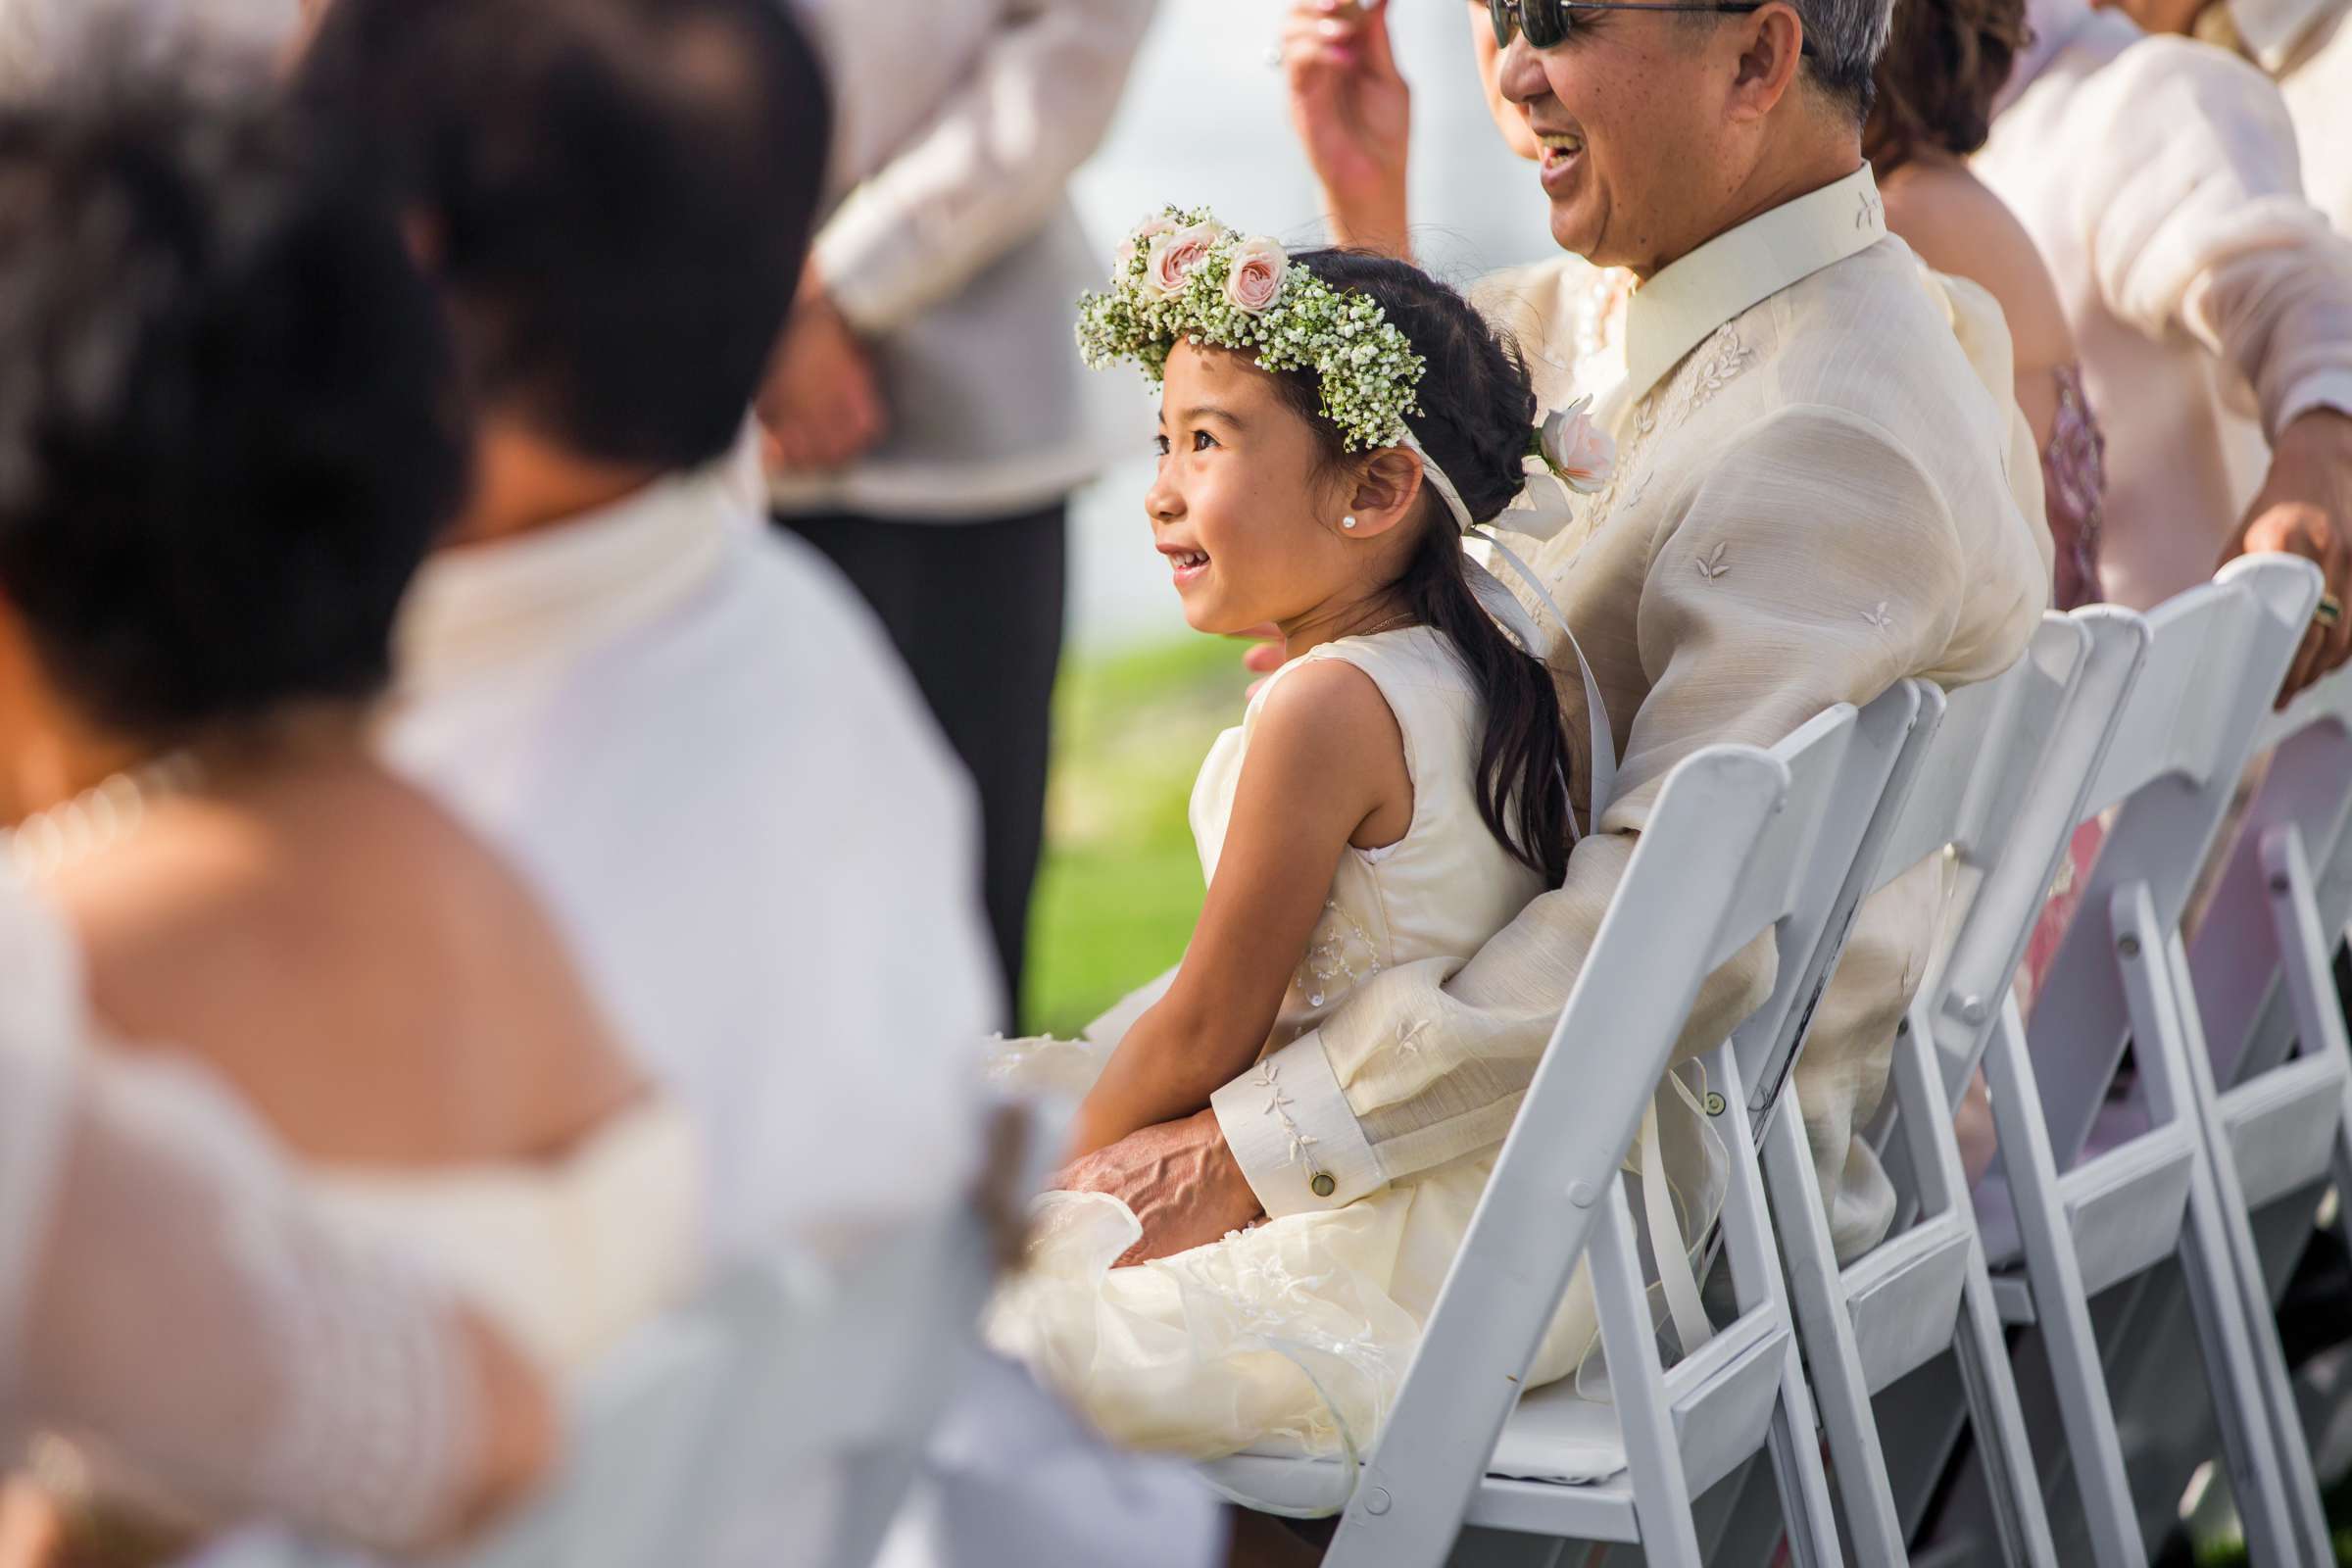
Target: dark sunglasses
1549 23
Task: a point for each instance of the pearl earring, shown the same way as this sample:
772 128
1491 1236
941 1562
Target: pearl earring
1346 523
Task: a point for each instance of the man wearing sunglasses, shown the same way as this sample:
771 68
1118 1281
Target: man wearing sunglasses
1816 441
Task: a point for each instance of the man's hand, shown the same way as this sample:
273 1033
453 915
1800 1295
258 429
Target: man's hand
1180 1179
2305 509
822 405
1354 116
1265 655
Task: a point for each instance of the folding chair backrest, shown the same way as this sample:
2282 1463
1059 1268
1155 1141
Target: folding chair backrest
787 1391
2170 771
1802 886
1723 859
2307 784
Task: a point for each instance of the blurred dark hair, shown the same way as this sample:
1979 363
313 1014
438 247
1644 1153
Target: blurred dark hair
1479 406
616 194
228 421
1945 63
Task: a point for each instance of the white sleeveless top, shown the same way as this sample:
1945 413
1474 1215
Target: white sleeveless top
1442 890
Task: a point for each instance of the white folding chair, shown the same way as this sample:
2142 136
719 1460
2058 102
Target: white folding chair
1741 842
2111 1213
712 1435
2254 1012
787 1386
2001 782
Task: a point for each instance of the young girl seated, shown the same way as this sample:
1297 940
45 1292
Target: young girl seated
1330 425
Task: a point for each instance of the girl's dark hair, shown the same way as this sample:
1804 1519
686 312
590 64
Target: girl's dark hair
1479 406
1945 63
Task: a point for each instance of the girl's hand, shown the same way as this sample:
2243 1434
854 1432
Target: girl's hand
1354 113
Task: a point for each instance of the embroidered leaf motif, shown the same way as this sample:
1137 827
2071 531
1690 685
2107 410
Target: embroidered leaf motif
1713 367
1879 618
1711 564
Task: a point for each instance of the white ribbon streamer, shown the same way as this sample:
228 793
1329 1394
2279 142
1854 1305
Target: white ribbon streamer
1602 763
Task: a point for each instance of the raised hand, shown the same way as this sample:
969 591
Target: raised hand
1354 113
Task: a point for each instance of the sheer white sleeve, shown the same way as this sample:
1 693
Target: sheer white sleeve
174 1304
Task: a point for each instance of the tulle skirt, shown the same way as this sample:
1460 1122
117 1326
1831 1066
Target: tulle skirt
1291 1337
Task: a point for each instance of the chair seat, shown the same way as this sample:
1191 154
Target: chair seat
1555 1437
1558 1468
2119 1121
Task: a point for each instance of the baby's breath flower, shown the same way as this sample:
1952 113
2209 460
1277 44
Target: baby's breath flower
1367 370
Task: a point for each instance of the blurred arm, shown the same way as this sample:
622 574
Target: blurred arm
988 168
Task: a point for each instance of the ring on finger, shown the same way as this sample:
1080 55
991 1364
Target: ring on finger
2331 610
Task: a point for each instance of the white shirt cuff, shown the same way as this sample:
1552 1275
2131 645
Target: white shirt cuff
2321 389
1289 1129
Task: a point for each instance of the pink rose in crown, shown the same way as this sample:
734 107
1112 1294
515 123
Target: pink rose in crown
1256 281
1138 243
1577 449
1176 256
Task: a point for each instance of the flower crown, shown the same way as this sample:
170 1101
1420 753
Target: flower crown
1183 277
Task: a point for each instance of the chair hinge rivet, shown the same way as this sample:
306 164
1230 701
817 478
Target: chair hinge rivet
1715 1103
1583 1194
1376 1502
2129 947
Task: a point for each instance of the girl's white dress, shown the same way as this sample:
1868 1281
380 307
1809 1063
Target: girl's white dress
1293 1336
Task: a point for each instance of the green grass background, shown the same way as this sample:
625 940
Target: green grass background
1120 886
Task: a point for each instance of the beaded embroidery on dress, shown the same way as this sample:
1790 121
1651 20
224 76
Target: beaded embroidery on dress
1291 1337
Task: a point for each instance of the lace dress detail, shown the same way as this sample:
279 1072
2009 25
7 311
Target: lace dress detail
2073 471
177 1307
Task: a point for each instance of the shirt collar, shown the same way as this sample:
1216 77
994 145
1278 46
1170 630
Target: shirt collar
2271 30
475 608
1678 309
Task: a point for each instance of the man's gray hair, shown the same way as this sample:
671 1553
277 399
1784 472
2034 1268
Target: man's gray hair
1845 39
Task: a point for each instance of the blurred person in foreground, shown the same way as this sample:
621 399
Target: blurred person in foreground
227 438
691 740
2210 301
1799 409
925 416
677 718
175 1305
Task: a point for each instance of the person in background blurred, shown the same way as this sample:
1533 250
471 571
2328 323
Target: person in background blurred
2305 46
924 411
2210 301
1945 64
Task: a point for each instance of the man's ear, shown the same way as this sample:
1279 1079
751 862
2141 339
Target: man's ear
1772 44
1385 491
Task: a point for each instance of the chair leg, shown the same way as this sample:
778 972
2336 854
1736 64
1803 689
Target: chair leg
1818 1296
1995 1414
1795 1444
2060 1305
1653 1454
2301 1515
1793 1438
2147 955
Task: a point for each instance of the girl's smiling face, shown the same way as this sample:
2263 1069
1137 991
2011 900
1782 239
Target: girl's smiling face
1243 507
